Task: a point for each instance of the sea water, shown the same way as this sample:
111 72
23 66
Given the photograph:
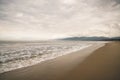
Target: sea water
14 55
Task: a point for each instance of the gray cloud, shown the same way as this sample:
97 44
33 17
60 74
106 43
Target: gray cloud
117 1
58 18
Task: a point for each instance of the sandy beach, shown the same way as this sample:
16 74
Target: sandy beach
97 62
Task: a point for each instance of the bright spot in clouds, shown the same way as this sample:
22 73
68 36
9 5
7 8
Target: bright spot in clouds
69 1
19 15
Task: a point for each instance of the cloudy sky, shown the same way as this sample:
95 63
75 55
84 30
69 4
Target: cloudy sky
51 19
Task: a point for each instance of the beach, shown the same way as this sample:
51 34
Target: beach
98 62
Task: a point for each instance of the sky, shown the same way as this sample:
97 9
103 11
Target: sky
53 19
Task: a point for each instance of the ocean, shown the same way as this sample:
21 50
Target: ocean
14 55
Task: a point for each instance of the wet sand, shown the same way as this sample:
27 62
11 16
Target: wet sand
102 64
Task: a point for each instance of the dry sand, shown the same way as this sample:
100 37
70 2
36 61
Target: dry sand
102 64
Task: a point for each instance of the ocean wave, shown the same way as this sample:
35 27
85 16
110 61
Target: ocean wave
18 55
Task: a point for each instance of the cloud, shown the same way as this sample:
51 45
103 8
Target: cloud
58 18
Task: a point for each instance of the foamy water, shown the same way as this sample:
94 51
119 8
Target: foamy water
18 55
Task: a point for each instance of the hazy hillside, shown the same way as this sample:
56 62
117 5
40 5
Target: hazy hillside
93 38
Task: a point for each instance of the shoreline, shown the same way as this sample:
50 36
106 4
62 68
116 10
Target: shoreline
11 66
54 68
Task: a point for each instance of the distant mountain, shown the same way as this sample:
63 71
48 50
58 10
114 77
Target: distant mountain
93 38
